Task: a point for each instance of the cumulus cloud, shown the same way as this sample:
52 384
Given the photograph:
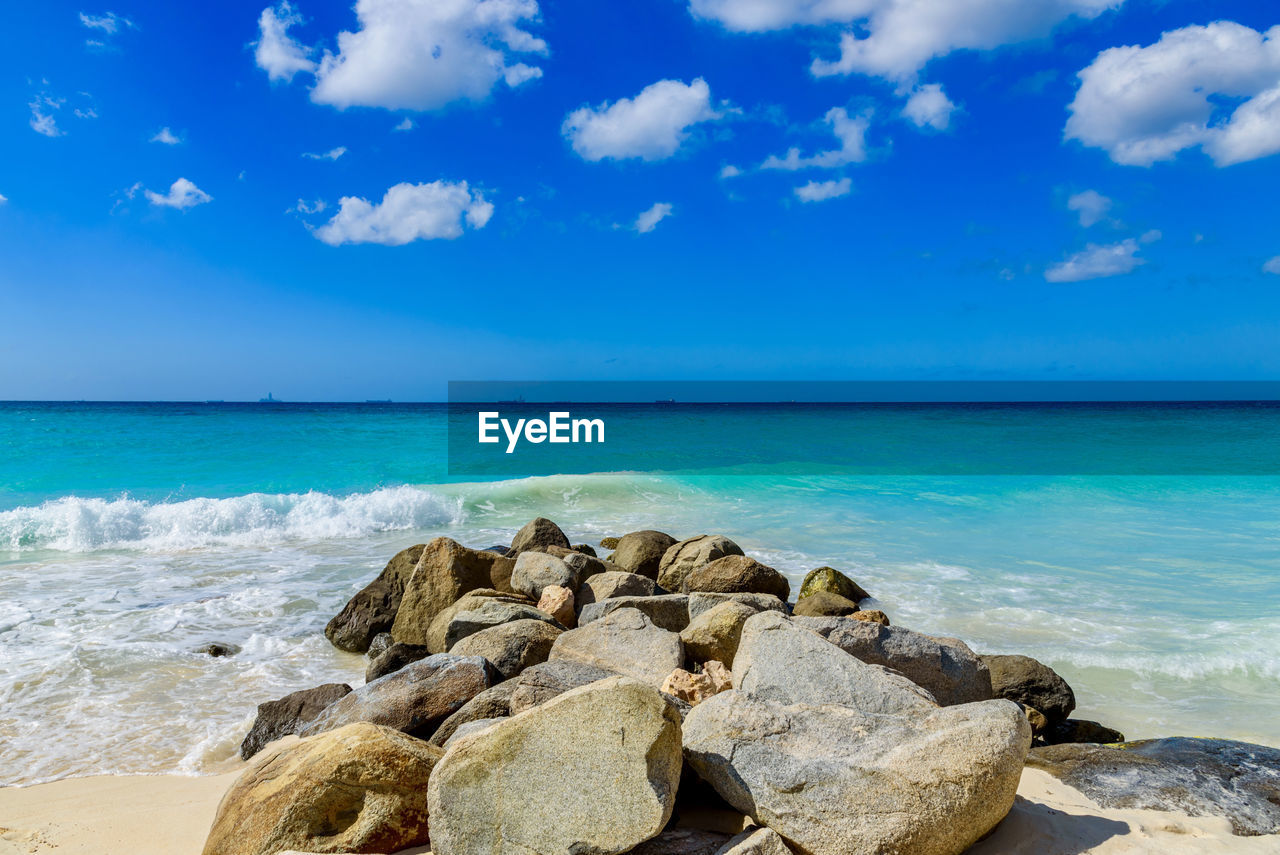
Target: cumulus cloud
166 136
182 194
754 16
1097 261
821 191
651 126
929 107
648 220
1214 86
331 154
851 131
408 212
409 54
1091 206
1272 266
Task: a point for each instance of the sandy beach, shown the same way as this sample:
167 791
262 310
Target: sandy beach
170 815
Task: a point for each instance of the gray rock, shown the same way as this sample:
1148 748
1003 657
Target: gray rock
490 613
217 649
394 658
701 602
593 771
511 647
437 633
684 557
471 727
641 552
834 780
373 609
445 571
737 574
626 642
1031 683
539 533
537 570
1199 777
756 841
614 583
413 700
379 645
670 611
945 666
288 715
541 683
491 703
779 661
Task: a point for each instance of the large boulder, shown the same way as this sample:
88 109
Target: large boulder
491 703
834 780
737 574
445 571
1199 777
481 615
832 581
945 666
779 661
641 552
537 570
614 583
583 564
684 557
438 633
1076 730
714 634
592 771
541 683
701 602
625 642
373 609
669 611
510 647
824 604
394 658
288 715
1031 683
537 534
361 788
413 700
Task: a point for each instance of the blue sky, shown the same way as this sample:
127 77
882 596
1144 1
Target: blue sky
979 189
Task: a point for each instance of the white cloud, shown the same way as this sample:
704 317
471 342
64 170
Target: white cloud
405 125
3 199
166 136
277 53
305 207
1272 266
1151 236
850 131
1097 262
182 195
648 220
930 107
651 126
1146 104
821 191
730 171
110 23
331 154
408 212
42 118
1091 206
409 54
755 16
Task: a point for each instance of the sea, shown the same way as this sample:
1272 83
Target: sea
133 534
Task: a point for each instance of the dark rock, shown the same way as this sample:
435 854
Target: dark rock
373 610
641 552
511 647
824 604
737 574
832 581
1031 683
537 534
218 649
445 571
609 543
491 703
1199 777
289 714
541 683
670 611
380 644
1079 730
394 658
499 549
585 549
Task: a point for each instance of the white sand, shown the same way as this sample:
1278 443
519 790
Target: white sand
169 815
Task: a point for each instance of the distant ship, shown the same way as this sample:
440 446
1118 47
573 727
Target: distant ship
269 399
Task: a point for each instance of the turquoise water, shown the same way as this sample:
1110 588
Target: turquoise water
129 534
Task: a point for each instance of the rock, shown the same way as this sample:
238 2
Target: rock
537 570
684 557
499 549
670 611
373 609
394 658
361 788
833 780
438 633
683 841
778 660
1079 730
737 574
1034 684
413 700
584 565
491 703
465 730
217 649
609 543
585 549
945 666
288 715
693 689
500 575
714 634
871 616
614 583
445 571
701 602
541 683
380 644
478 614
756 841
537 534
824 604
604 759
719 674
1199 777
558 602
832 581
510 647
624 642
1039 724
641 552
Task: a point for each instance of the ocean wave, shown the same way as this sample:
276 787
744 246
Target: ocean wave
74 524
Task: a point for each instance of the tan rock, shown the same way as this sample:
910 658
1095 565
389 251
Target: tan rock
737 574
445 571
624 642
719 674
557 601
438 640
684 557
538 533
510 647
693 689
715 633
871 616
